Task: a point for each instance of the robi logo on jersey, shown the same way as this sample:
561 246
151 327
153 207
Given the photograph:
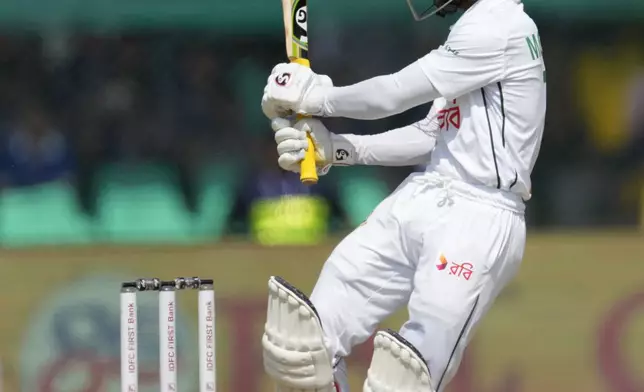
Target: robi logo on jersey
450 117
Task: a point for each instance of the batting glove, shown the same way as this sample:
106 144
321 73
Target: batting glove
293 88
292 143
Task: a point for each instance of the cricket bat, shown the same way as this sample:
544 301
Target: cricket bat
297 50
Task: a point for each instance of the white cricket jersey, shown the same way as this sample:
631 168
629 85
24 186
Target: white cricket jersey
492 76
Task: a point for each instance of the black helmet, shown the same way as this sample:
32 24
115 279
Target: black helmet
439 7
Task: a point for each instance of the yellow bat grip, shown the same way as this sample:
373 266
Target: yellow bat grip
308 169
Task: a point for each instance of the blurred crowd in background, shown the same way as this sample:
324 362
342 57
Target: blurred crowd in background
74 104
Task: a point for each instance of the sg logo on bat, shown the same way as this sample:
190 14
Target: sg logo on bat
301 17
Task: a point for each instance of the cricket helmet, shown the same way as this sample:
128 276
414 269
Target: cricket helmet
441 8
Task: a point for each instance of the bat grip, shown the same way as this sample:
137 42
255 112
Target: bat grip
308 168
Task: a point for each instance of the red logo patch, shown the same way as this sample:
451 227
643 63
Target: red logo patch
450 117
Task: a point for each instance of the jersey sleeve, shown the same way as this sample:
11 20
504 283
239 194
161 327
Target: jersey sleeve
378 97
472 57
407 146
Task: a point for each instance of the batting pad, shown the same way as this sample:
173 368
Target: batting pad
295 356
396 366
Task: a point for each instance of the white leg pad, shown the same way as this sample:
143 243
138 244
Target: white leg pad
396 366
295 355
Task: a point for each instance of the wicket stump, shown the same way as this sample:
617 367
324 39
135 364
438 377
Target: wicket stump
167 332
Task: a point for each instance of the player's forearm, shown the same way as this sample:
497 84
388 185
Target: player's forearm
380 97
407 146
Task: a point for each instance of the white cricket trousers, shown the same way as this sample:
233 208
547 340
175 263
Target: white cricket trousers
442 247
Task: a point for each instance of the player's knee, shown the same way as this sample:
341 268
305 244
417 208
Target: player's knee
336 317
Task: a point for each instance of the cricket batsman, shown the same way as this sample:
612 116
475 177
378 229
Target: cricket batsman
447 240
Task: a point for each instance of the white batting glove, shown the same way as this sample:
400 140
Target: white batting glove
292 143
294 88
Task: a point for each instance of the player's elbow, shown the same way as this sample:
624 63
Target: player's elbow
385 108
394 96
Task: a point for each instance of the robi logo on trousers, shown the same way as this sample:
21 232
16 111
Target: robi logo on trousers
450 117
463 270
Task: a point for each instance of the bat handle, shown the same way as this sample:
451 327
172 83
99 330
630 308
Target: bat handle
308 169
